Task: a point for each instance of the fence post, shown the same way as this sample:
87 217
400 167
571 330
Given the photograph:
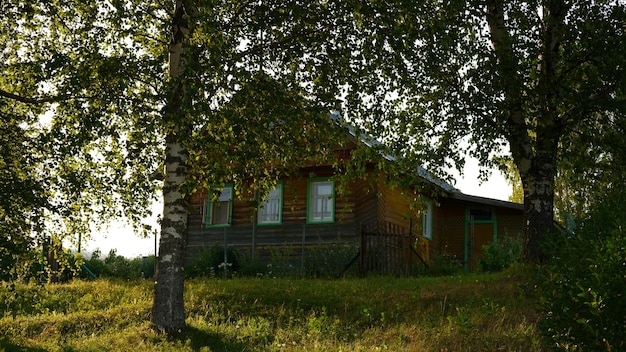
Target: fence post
225 254
362 253
302 253
255 219
404 264
409 246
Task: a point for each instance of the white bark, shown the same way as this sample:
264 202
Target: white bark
168 312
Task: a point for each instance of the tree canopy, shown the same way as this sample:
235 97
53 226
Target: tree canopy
525 77
137 89
67 79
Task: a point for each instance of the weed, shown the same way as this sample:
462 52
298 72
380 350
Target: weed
214 262
462 312
500 255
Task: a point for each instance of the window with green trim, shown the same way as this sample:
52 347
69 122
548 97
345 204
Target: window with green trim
427 220
321 201
271 209
218 212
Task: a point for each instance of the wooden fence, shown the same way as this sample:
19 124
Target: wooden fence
387 248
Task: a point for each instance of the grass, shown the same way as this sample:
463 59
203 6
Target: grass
468 312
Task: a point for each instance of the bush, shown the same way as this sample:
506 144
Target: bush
500 255
330 261
95 265
584 283
210 263
145 265
117 266
439 265
251 266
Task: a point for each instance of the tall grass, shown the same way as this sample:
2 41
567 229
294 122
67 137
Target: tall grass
468 312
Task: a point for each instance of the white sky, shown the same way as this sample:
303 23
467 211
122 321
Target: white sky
130 245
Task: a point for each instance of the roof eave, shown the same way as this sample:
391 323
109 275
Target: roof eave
486 201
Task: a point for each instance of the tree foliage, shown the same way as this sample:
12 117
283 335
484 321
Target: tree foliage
133 89
581 291
188 89
22 193
484 77
71 78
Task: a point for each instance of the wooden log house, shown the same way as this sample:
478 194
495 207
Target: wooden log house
307 210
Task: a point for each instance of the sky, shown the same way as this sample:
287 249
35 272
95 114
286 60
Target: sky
127 244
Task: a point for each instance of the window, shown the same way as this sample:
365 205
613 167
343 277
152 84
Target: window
321 201
218 212
427 220
271 209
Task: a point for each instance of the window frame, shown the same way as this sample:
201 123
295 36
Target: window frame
208 208
311 197
428 217
279 221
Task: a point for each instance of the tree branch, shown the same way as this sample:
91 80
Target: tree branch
27 100
277 44
507 66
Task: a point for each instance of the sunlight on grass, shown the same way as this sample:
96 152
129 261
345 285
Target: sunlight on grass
485 312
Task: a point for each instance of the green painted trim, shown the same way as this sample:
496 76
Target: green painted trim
208 204
493 221
280 209
432 218
309 184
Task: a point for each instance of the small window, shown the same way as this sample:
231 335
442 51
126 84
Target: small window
481 214
271 209
321 202
218 212
427 220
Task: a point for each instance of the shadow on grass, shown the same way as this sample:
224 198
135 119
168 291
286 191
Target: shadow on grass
198 339
7 345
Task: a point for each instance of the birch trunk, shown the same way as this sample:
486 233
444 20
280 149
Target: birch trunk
538 184
168 314
533 139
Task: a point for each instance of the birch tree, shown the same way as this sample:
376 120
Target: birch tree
74 106
133 89
241 108
489 78
184 88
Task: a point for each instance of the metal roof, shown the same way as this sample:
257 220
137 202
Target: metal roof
422 172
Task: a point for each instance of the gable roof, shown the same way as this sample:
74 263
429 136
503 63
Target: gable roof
452 191
373 143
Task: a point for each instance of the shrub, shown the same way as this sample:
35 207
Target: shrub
210 263
94 264
143 265
16 259
584 283
117 266
251 265
440 265
331 260
500 255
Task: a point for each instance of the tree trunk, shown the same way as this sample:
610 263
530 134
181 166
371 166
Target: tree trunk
538 214
534 145
168 313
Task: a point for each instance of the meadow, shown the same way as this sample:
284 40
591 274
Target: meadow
463 312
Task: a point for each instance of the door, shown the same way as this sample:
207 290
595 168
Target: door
481 230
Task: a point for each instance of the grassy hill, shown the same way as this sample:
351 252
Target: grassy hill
467 312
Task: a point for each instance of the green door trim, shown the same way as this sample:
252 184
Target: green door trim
468 222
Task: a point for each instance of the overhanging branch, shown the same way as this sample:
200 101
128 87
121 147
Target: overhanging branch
28 100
